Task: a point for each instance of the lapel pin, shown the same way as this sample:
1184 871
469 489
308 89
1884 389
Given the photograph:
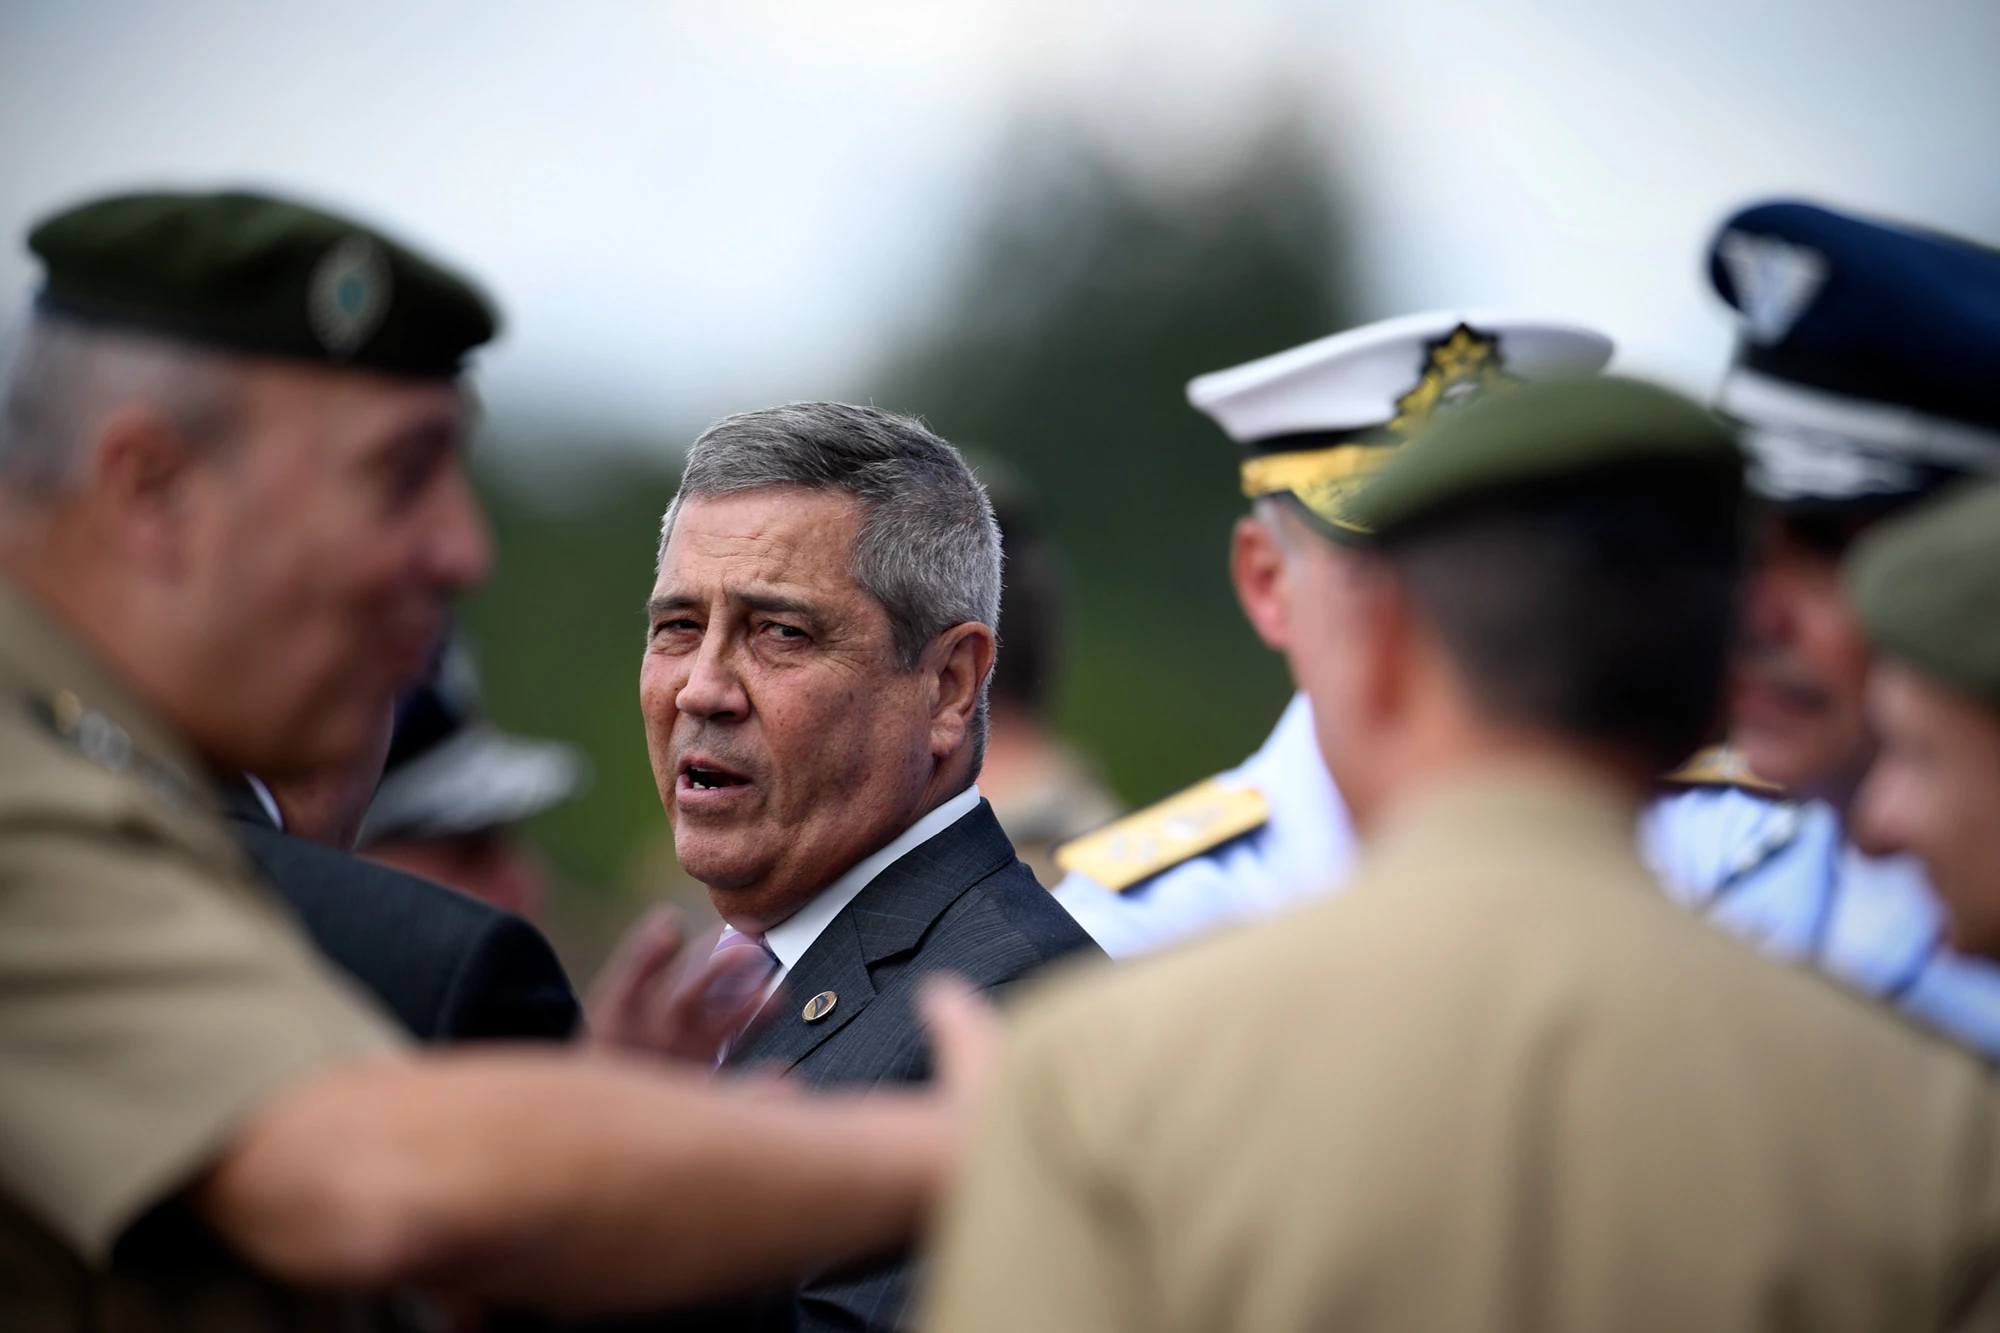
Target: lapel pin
820 1005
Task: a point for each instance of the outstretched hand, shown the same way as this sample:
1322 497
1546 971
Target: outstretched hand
965 1033
662 994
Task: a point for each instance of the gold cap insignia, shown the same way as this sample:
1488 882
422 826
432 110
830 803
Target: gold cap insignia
1163 835
1457 367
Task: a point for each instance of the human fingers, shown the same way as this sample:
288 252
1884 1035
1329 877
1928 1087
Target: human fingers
965 1034
643 958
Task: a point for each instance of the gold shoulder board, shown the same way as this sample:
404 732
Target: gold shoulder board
1164 834
1720 766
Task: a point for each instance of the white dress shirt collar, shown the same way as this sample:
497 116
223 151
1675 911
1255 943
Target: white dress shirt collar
790 938
265 799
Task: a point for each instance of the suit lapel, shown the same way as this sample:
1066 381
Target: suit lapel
834 963
887 919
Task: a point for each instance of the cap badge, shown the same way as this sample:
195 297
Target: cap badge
348 294
1457 367
1774 280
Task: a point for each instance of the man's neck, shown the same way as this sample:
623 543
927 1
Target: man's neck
1495 751
1021 753
71 589
790 938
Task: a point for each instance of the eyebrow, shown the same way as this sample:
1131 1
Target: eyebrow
755 601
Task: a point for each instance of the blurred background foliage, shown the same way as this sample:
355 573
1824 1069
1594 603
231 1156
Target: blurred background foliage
1089 294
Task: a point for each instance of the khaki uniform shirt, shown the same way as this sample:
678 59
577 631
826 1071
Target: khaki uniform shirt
151 998
1502 1083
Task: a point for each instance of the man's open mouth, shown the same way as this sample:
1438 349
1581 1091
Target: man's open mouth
701 778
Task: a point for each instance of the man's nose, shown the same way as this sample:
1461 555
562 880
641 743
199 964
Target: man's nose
713 690
461 550
1768 607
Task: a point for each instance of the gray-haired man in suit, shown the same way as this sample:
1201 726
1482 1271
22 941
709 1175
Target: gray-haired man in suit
814 686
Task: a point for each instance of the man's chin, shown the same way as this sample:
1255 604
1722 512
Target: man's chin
1791 756
722 868
1808 762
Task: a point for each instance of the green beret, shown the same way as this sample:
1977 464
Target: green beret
1927 589
1543 432
263 276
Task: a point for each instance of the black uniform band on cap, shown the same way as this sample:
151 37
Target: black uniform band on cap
1859 373
245 342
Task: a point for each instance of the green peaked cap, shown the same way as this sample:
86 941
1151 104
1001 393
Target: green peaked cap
1927 589
1544 432
259 275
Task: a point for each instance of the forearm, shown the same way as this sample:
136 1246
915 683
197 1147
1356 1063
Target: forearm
573 1184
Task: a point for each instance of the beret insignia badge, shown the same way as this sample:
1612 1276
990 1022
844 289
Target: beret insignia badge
348 294
1457 367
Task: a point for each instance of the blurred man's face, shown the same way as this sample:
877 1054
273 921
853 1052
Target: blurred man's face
1797 703
1935 791
1339 655
323 550
786 742
330 805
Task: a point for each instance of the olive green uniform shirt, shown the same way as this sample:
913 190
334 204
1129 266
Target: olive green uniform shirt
151 998
1500 1083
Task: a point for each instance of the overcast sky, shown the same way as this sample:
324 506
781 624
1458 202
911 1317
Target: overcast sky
687 210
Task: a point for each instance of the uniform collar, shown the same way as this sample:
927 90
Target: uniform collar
1503 807
53 669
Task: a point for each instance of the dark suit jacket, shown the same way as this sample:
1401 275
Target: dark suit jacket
959 903
450 967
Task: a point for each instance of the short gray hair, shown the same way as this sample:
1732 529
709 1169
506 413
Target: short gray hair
928 551
1283 526
64 377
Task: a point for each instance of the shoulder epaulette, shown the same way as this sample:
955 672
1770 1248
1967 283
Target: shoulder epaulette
1720 766
1164 834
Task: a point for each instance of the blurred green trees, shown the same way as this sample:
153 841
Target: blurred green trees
1089 297
1092 297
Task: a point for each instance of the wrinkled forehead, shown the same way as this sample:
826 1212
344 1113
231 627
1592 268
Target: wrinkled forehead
772 538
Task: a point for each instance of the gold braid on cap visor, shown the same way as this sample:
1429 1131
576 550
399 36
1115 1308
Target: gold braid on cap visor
1322 479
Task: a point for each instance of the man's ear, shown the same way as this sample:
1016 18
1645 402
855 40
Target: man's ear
139 476
1263 581
957 663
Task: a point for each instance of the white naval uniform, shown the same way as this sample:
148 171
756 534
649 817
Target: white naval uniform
1776 873
1781 875
1305 848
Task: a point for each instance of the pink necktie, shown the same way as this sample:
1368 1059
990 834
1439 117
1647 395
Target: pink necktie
735 942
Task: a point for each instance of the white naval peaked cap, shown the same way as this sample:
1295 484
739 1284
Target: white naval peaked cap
1355 380
1317 420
